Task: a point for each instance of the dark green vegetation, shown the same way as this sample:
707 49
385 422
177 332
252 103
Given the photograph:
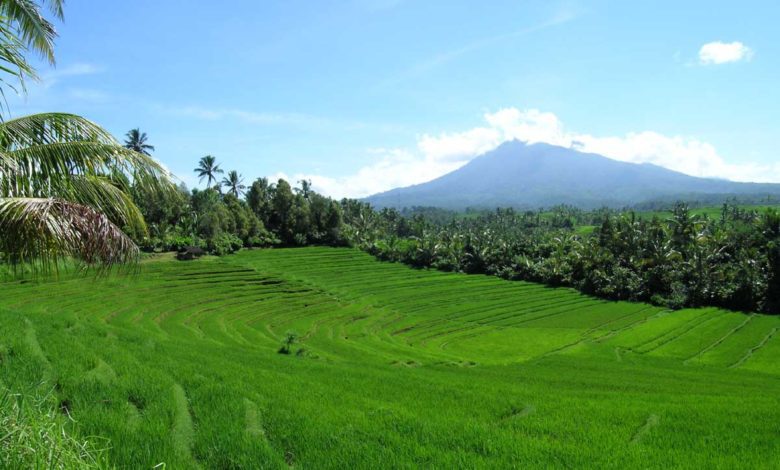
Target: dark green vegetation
684 260
269 214
527 176
391 367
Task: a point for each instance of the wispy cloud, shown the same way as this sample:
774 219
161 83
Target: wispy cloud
51 77
562 16
288 119
88 95
250 117
717 52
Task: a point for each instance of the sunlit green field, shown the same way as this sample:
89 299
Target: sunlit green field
394 367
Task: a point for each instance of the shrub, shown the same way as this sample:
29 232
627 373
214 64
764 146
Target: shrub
225 244
289 340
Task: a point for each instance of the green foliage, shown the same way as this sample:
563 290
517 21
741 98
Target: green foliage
271 214
687 259
772 300
224 244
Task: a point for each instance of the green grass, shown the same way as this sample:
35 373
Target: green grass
394 367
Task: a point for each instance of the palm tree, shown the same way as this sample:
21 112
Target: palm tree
208 168
63 179
136 141
64 192
235 183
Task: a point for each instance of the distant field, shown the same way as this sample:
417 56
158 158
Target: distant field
712 212
395 367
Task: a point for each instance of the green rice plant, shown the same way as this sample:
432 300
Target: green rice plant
178 366
32 435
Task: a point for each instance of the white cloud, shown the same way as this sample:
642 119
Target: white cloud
436 155
393 168
717 52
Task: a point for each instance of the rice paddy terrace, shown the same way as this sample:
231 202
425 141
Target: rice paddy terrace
394 367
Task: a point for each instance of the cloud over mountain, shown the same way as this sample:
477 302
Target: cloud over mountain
436 155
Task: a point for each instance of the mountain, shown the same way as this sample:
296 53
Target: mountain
538 175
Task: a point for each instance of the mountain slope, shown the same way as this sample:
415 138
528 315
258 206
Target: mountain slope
520 175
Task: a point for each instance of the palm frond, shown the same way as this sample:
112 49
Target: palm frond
13 62
41 168
103 194
55 6
49 128
50 146
35 30
45 231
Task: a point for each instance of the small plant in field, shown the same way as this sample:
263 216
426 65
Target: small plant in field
290 338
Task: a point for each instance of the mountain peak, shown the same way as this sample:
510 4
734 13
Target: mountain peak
530 175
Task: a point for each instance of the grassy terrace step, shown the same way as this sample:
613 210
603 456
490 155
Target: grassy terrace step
398 367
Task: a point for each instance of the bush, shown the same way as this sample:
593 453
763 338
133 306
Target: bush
225 244
180 242
290 338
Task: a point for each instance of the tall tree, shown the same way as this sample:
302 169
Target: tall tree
259 198
305 189
208 168
282 215
235 183
136 140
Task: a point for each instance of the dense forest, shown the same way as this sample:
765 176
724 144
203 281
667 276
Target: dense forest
730 260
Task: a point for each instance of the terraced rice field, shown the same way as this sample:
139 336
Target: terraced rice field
395 367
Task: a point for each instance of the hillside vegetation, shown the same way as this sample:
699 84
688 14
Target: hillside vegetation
387 366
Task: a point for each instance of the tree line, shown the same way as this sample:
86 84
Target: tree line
229 215
684 260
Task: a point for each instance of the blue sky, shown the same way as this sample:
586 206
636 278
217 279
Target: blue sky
364 95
